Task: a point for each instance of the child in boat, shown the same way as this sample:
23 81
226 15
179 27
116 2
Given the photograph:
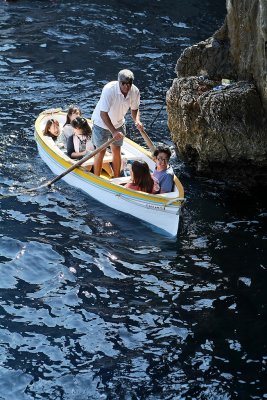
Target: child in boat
52 130
163 172
79 143
141 178
67 131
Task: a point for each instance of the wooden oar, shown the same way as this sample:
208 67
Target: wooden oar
148 141
57 178
80 162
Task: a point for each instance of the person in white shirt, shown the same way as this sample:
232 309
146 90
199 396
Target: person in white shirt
116 99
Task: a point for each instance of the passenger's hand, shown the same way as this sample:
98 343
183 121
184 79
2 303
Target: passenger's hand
118 135
139 125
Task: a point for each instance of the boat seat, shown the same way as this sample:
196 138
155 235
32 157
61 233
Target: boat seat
108 158
121 180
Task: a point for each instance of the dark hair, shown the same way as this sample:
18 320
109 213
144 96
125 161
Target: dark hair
81 123
142 176
48 126
162 149
72 110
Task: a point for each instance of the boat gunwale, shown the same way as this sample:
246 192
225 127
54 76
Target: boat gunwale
102 182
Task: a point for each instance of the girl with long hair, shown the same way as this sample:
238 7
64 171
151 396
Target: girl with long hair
52 129
141 178
67 131
80 142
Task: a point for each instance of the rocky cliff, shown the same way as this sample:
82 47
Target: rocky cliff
221 129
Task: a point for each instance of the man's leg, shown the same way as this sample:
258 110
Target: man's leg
98 161
99 136
116 153
116 162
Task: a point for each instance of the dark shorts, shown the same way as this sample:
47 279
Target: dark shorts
101 136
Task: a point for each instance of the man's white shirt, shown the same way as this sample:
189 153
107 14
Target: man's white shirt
115 104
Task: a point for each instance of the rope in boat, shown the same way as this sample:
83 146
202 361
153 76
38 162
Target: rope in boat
52 111
181 200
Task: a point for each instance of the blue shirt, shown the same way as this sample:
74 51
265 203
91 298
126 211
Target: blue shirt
165 179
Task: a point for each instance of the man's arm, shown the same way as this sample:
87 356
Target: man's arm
136 118
107 121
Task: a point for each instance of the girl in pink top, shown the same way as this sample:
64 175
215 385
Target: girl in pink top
141 178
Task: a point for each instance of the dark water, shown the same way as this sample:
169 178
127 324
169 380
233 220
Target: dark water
95 305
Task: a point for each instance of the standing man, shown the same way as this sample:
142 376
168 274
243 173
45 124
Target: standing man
116 99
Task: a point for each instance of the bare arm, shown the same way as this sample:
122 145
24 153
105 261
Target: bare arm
107 121
78 154
136 118
71 150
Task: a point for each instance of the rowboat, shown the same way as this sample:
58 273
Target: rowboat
161 211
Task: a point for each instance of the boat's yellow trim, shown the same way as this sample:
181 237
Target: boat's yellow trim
179 186
104 183
138 147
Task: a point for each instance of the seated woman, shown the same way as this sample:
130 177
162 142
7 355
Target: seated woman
67 131
80 142
52 130
141 178
163 172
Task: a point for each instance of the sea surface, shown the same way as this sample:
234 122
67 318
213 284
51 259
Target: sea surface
93 303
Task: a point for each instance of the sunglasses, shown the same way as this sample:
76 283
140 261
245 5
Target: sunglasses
162 159
129 83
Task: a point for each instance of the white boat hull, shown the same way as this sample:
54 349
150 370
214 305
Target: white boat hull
152 209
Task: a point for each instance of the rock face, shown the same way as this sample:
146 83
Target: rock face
247 31
219 130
